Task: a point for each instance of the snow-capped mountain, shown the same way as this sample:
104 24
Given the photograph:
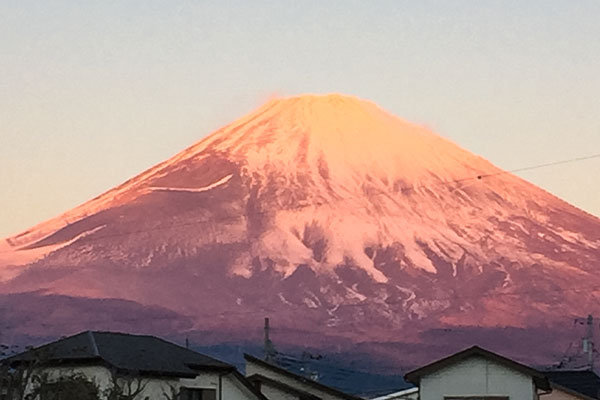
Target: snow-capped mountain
330 215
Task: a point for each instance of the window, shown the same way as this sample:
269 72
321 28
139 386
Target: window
198 394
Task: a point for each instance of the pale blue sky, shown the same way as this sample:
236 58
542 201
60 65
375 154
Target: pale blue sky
94 92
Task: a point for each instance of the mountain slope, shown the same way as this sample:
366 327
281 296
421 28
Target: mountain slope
330 215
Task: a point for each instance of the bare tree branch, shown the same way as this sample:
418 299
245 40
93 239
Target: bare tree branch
171 393
124 386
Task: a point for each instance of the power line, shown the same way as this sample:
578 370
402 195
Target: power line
560 162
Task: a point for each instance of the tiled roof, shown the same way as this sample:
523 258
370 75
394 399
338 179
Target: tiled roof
300 379
584 382
136 353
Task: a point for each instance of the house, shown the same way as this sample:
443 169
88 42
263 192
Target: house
573 385
564 384
478 374
122 366
277 383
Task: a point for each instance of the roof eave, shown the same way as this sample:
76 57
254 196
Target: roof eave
300 378
244 381
200 367
282 386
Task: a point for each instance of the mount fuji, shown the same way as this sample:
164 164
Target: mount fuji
340 221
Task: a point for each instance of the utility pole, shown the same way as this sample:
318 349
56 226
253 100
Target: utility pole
582 357
269 348
588 342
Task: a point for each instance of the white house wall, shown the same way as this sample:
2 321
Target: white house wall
156 388
477 377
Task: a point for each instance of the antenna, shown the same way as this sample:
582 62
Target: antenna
588 342
310 373
269 348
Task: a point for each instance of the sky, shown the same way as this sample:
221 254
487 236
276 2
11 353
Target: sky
92 93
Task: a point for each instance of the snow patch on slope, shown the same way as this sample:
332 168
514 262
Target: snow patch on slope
12 259
367 178
213 185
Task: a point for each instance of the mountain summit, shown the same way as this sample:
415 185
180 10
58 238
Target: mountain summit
329 214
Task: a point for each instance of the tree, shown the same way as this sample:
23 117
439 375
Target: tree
171 392
72 387
124 386
16 376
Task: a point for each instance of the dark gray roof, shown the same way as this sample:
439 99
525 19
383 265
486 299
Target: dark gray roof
302 379
583 382
135 353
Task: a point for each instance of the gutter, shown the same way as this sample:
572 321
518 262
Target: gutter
221 386
221 375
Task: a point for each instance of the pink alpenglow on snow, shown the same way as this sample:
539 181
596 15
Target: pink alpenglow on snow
329 214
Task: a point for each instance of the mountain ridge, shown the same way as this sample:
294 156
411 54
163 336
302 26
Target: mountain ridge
325 212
